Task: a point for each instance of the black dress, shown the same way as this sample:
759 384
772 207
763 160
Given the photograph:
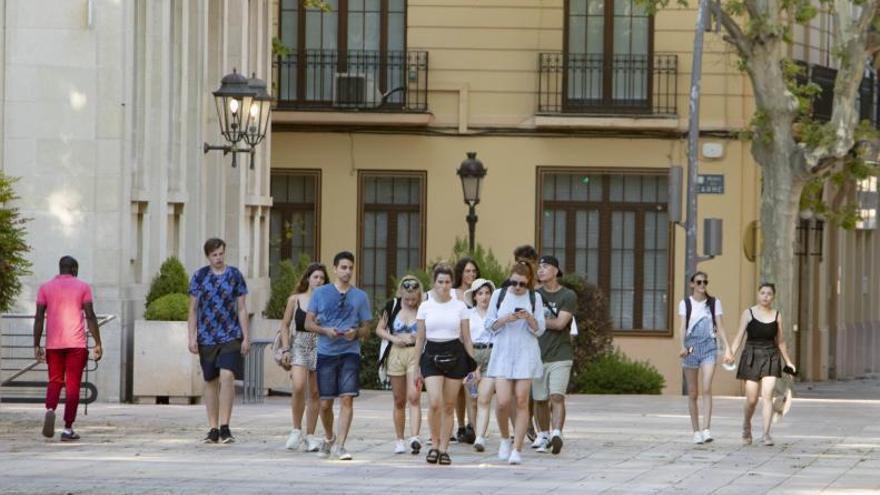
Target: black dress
761 355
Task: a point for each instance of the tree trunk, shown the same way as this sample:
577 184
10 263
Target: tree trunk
781 190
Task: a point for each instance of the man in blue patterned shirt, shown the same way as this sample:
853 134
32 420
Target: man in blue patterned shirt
218 333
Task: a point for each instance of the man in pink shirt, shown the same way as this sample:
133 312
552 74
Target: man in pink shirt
62 302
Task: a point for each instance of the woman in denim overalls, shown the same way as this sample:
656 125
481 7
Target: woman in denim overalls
698 350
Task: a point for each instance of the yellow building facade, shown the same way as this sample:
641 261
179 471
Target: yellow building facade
577 108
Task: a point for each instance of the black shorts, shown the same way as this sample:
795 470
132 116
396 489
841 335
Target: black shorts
462 367
225 356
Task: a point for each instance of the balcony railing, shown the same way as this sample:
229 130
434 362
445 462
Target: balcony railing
622 84
357 80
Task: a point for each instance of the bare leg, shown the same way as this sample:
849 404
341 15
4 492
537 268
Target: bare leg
450 398
313 404
398 392
327 418
504 398
300 377
542 414
767 385
752 388
691 376
434 384
708 372
227 395
414 398
211 396
484 400
460 407
346 412
522 390
557 406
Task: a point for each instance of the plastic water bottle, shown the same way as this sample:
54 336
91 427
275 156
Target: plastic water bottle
470 382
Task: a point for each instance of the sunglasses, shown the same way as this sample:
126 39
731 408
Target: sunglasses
342 299
410 284
701 282
521 285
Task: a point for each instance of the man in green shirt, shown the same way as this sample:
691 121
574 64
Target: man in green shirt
556 353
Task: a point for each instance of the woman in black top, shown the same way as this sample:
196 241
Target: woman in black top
300 358
762 359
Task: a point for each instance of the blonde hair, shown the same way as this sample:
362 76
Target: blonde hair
402 291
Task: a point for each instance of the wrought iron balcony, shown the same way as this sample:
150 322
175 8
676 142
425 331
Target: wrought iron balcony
356 80
596 84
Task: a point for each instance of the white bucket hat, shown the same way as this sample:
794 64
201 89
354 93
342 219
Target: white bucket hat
475 286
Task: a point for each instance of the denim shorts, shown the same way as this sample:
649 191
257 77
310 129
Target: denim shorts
339 375
704 352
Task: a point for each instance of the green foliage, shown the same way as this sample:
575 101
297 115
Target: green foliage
13 248
321 5
170 307
283 285
172 279
760 128
490 267
615 373
369 375
279 49
594 323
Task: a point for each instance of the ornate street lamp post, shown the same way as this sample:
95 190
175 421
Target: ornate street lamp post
471 173
243 108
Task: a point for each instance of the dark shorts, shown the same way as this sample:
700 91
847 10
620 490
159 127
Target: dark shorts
225 356
463 366
339 375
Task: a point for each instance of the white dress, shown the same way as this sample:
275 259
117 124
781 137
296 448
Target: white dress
516 354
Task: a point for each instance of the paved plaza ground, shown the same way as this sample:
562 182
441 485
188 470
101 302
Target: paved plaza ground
614 444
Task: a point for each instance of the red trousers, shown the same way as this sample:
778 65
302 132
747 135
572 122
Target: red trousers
65 370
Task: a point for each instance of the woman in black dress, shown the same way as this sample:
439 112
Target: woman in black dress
762 359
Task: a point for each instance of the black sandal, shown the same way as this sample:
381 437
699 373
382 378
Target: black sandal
444 459
432 456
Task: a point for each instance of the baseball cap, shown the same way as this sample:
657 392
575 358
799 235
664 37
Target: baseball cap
549 259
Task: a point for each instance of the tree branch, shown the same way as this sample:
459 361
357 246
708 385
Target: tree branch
735 35
851 44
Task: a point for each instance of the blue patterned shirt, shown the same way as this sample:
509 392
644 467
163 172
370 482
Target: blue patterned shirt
217 311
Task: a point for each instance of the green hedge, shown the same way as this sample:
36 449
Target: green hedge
615 373
14 264
170 307
172 279
283 285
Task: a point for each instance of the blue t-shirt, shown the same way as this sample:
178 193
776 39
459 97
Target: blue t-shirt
342 312
217 295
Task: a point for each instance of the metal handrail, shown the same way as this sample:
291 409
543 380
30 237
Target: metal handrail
102 320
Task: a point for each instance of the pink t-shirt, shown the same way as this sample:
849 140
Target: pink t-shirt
64 297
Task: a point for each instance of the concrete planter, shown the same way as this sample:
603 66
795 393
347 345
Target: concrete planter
274 376
163 366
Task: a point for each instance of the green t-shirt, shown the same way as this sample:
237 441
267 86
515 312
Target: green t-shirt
556 344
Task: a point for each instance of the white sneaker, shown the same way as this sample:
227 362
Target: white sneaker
313 444
294 440
326 448
340 453
514 458
698 438
707 436
539 441
480 444
399 447
542 446
504 450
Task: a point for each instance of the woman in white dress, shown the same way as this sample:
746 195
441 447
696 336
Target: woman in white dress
516 318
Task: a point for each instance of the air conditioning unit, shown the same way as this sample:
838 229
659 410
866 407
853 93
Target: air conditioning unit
355 91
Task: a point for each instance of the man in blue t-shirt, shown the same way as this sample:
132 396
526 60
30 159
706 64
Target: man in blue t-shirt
218 333
339 314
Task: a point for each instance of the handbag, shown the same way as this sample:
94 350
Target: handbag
278 350
445 362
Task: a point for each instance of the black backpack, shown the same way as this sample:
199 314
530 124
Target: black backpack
710 301
504 293
392 307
